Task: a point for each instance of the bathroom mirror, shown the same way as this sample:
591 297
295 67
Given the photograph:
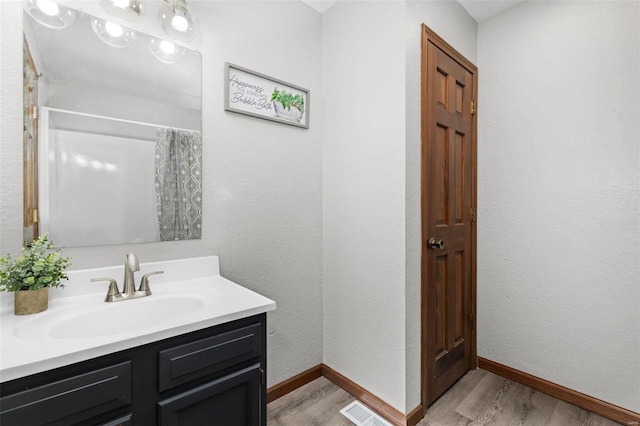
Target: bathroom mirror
112 135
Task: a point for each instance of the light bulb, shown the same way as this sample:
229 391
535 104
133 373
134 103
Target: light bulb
113 34
177 20
49 13
128 10
167 47
48 7
165 51
114 30
180 23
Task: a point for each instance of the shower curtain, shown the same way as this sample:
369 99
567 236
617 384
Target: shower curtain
179 184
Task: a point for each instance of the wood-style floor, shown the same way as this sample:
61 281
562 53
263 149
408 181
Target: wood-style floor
479 398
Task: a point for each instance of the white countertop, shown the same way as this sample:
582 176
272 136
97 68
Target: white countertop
29 346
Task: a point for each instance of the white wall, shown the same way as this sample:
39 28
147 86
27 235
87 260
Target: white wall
363 195
265 178
452 22
559 188
261 180
10 126
372 237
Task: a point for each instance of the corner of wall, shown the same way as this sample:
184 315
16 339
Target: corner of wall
363 195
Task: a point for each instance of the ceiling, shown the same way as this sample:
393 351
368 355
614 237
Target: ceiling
478 9
485 9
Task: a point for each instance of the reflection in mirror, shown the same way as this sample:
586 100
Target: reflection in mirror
117 135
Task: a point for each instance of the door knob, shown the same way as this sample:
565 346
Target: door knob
436 244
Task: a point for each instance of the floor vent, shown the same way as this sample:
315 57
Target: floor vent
362 416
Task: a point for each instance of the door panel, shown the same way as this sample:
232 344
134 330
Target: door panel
448 196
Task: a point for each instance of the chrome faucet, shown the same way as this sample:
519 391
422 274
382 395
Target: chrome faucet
131 265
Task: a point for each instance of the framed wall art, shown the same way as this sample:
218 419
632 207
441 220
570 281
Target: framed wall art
255 94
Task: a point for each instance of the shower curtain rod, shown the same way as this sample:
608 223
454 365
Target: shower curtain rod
84 114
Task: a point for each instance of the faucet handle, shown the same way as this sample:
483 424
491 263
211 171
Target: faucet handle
144 282
113 288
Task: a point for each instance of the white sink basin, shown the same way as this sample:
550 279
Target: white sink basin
111 318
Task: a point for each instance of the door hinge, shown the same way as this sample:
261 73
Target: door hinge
472 212
36 216
261 376
472 107
34 112
472 319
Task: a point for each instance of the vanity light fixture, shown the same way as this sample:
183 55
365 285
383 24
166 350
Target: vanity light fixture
177 20
113 34
165 51
49 13
128 10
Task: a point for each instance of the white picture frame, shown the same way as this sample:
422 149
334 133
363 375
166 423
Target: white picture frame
257 95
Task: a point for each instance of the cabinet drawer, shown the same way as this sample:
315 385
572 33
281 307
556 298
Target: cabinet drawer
71 400
190 361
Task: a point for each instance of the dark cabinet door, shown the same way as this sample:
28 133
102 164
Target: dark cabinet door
232 400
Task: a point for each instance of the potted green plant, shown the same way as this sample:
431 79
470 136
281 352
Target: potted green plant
283 101
30 275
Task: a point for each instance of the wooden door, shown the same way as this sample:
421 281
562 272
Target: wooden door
449 85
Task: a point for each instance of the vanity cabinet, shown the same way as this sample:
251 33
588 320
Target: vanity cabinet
214 376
